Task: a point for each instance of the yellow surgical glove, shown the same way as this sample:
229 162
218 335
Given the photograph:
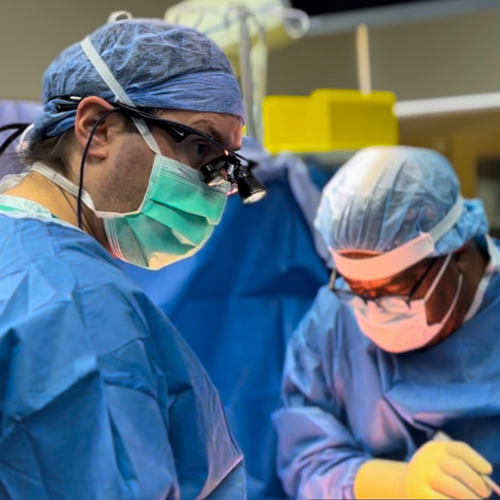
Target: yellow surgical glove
438 470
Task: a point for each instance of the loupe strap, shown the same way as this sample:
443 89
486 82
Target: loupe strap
18 128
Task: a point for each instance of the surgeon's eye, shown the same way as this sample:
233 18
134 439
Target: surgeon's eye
197 152
201 149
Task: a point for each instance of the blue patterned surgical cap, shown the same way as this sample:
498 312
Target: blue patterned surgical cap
159 65
385 197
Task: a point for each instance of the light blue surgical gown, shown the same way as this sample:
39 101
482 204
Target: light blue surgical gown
100 397
346 401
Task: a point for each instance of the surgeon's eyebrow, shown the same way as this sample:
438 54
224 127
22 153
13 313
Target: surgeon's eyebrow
208 128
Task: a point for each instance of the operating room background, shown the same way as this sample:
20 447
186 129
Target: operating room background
441 57
263 257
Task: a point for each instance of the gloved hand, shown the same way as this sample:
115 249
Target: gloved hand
438 470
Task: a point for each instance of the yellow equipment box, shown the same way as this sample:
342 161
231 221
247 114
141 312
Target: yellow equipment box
330 120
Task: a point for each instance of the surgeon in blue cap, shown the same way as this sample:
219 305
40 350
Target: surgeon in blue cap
402 347
100 397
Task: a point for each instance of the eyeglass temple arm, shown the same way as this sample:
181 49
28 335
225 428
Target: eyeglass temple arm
131 111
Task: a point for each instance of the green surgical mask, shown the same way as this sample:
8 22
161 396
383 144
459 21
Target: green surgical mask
176 218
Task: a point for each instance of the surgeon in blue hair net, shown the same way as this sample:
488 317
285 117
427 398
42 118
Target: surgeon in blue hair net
402 347
100 397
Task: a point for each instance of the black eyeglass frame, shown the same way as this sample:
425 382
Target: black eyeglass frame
348 295
230 160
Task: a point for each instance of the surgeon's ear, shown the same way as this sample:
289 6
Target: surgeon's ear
88 113
463 256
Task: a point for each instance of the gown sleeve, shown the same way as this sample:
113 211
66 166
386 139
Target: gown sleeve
318 456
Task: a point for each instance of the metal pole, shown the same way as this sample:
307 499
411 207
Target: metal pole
363 50
246 70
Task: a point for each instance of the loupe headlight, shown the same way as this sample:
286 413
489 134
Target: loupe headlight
251 190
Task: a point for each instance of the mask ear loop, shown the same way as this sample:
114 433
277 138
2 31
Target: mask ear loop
120 94
82 164
438 277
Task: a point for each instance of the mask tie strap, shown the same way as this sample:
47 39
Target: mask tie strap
115 87
62 182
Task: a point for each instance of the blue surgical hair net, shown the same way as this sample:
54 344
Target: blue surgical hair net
385 197
159 65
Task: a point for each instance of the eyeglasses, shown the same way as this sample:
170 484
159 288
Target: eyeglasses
347 296
196 149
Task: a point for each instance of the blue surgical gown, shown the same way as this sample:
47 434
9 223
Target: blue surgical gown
100 397
346 401
265 283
